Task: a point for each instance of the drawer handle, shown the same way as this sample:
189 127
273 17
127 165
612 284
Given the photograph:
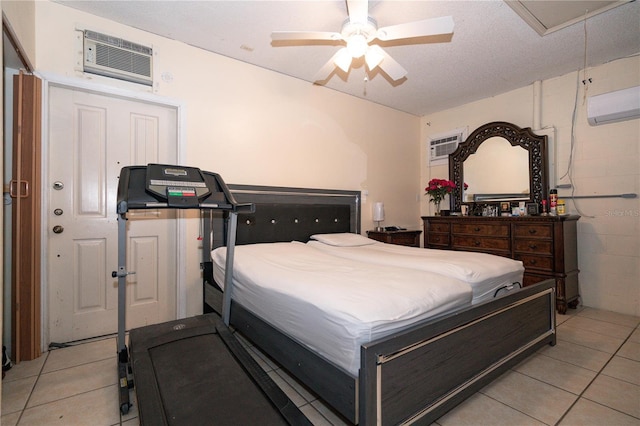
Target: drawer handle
437 240
533 246
532 231
532 262
477 243
477 229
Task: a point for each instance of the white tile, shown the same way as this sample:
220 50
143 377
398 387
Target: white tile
329 414
561 374
26 369
479 409
97 407
539 400
10 419
314 416
616 394
623 369
588 413
575 354
612 317
81 354
600 327
630 350
589 339
262 359
306 394
15 394
73 381
293 395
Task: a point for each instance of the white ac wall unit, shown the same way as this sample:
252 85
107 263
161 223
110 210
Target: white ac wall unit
114 57
440 146
614 106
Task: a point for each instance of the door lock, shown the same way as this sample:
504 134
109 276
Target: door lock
58 212
58 185
58 229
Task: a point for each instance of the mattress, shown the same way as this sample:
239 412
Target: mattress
332 305
488 275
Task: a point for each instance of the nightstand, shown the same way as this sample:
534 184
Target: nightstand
403 238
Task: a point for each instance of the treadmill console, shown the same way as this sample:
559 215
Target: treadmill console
182 187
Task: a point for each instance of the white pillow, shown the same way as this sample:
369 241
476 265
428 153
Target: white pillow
343 240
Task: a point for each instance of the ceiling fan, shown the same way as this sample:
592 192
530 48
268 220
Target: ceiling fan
359 34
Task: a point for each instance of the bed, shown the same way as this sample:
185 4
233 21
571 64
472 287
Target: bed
413 374
489 276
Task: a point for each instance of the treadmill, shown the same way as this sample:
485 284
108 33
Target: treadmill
190 371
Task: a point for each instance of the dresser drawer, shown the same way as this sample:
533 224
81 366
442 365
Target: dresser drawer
537 262
533 246
480 243
533 230
434 239
494 230
439 227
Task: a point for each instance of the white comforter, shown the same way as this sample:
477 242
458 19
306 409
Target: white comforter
485 273
334 305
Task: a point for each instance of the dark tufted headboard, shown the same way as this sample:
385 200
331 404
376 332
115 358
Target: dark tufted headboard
283 214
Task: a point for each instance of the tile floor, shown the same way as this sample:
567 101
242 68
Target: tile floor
591 377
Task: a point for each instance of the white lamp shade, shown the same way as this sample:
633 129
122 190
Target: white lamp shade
378 211
343 59
374 56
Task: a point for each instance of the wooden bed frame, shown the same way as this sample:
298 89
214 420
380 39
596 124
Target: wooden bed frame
412 376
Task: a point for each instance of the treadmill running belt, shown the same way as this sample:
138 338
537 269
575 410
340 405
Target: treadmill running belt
186 372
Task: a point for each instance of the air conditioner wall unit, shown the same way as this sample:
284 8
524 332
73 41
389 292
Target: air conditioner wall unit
614 106
440 146
117 58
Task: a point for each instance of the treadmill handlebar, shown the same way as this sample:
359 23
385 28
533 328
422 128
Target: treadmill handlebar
133 194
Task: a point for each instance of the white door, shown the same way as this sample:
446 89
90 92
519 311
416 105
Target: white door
91 137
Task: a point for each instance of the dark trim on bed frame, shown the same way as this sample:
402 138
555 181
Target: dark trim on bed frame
415 375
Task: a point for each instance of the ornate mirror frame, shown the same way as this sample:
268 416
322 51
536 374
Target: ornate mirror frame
525 138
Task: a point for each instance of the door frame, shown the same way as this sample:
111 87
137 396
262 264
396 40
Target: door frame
53 80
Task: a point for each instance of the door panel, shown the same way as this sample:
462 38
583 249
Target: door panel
92 137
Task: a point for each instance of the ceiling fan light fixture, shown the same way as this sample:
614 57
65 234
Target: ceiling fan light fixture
357 45
343 59
373 57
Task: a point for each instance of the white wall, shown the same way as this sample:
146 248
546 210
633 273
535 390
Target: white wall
606 160
255 126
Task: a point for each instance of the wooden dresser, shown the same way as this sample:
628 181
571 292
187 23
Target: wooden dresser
546 245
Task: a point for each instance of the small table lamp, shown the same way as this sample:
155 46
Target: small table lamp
378 214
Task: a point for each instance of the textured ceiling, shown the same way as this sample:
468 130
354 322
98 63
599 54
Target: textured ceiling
492 51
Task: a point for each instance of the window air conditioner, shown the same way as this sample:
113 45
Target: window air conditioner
614 106
441 146
113 57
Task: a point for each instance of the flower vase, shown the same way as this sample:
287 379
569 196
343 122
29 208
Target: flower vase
437 206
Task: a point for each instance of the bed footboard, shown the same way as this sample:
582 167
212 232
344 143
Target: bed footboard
421 373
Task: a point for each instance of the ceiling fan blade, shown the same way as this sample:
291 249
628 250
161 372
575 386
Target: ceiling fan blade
305 35
358 11
426 27
338 59
392 68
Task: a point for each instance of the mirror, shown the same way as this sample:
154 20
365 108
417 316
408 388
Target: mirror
497 169
500 162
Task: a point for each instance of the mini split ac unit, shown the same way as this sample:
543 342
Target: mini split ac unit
113 57
614 106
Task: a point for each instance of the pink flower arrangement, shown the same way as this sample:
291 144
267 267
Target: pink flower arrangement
438 188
